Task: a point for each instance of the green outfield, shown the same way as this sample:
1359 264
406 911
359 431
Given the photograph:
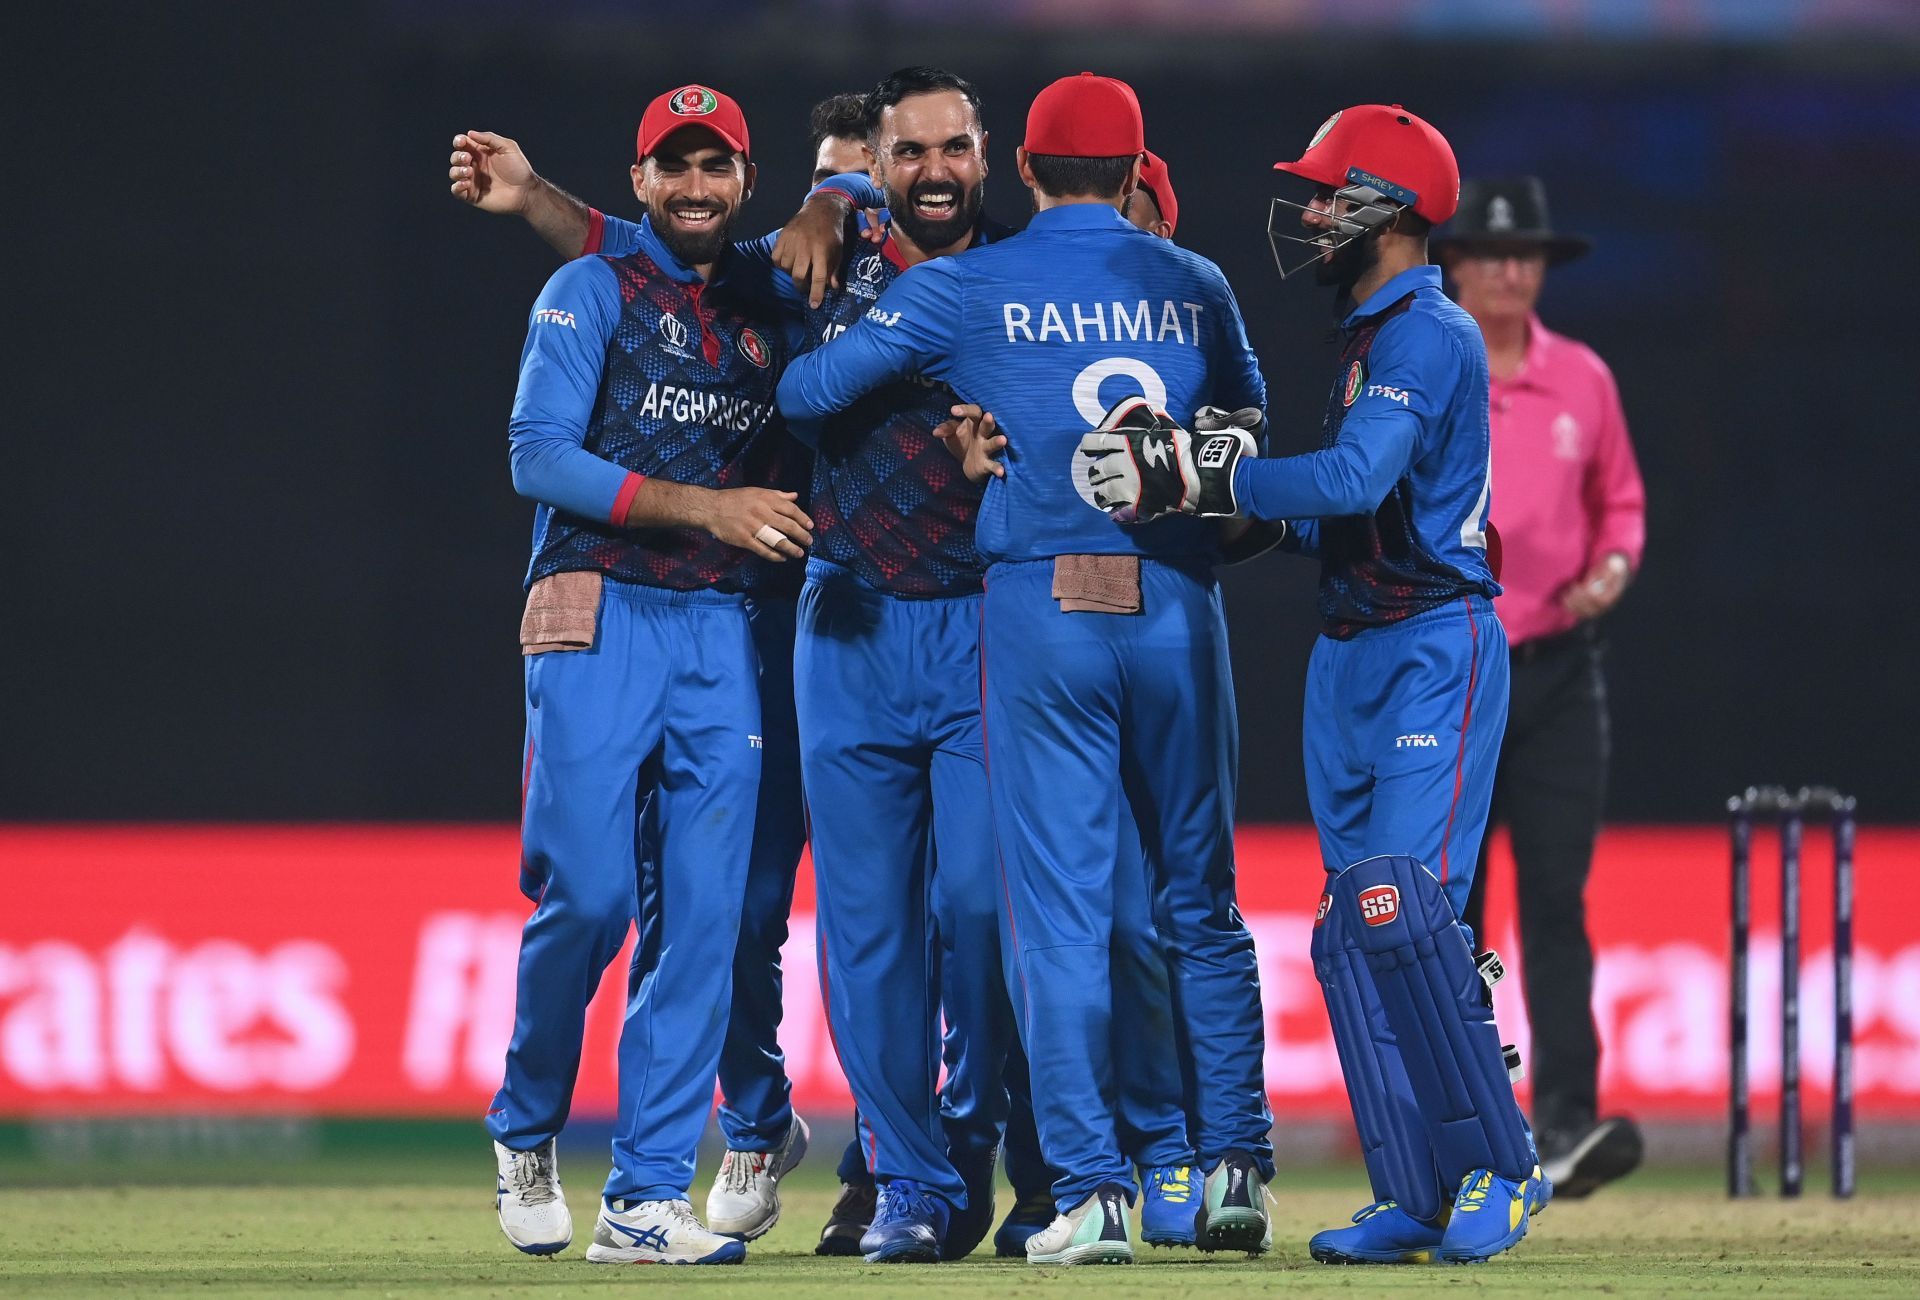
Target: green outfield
393 1220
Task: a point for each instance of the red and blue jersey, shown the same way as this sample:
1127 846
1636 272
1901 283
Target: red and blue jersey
1395 500
634 367
888 501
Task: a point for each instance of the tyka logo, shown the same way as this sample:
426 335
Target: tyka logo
1156 452
884 319
554 316
1379 905
674 331
1416 742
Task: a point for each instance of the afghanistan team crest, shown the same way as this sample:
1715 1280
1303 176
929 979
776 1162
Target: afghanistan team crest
1325 127
1356 378
754 348
693 101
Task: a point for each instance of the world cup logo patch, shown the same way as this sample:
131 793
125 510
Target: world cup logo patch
753 348
1356 379
693 101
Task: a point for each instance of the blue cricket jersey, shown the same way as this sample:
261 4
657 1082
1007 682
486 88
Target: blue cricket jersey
889 502
1395 501
1047 331
635 367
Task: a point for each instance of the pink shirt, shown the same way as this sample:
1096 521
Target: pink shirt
1566 490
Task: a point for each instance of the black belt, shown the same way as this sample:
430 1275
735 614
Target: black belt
1580 635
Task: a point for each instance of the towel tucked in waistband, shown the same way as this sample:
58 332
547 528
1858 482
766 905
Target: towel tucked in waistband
563 611
1097 584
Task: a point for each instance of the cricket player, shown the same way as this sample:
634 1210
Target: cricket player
643 416
1406 691
765 1138
1054 331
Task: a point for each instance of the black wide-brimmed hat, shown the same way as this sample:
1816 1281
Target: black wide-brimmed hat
1509 213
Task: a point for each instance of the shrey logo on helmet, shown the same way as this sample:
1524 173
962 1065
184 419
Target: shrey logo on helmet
1380 905
753 348
694 101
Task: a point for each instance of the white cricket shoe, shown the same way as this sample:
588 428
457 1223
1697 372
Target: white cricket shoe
533 1209
745 1199
657 1232
1096 1231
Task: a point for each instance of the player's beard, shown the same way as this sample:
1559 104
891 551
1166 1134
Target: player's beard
1348 263
693 249
932 235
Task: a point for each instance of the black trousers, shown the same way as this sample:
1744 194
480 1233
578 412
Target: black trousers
1548 791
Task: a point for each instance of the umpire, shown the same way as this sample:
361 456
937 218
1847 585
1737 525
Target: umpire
1572 521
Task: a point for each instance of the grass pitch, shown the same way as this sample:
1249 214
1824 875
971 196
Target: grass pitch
398 1225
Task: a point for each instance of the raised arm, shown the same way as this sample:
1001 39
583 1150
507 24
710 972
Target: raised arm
911 330
490 172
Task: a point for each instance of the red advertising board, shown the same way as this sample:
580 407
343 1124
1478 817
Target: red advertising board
370 970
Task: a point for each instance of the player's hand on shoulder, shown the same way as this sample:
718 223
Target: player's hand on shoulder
1139 463
490 172
975 440
769 523
810 246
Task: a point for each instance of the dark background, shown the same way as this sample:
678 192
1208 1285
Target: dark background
263 544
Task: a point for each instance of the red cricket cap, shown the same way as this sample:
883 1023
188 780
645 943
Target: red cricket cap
1374 143
1086 117
693 105
1156 181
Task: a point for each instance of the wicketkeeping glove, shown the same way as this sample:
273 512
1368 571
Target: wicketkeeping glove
1139 464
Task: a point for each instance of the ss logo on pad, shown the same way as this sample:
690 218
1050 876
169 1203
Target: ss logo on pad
1379 905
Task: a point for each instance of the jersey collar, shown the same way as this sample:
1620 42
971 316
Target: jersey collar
656 248
985 231
1414 277
1081 216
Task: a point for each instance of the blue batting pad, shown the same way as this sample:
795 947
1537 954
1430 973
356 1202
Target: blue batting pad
1393 1137
1390 914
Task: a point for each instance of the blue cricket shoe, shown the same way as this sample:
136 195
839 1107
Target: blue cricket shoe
1383 1233
1031 1213
1489 1216
1168 1206
968 1227
909 1224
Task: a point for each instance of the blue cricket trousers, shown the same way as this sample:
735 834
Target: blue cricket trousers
1083 711
887 694
1402 736
659 717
